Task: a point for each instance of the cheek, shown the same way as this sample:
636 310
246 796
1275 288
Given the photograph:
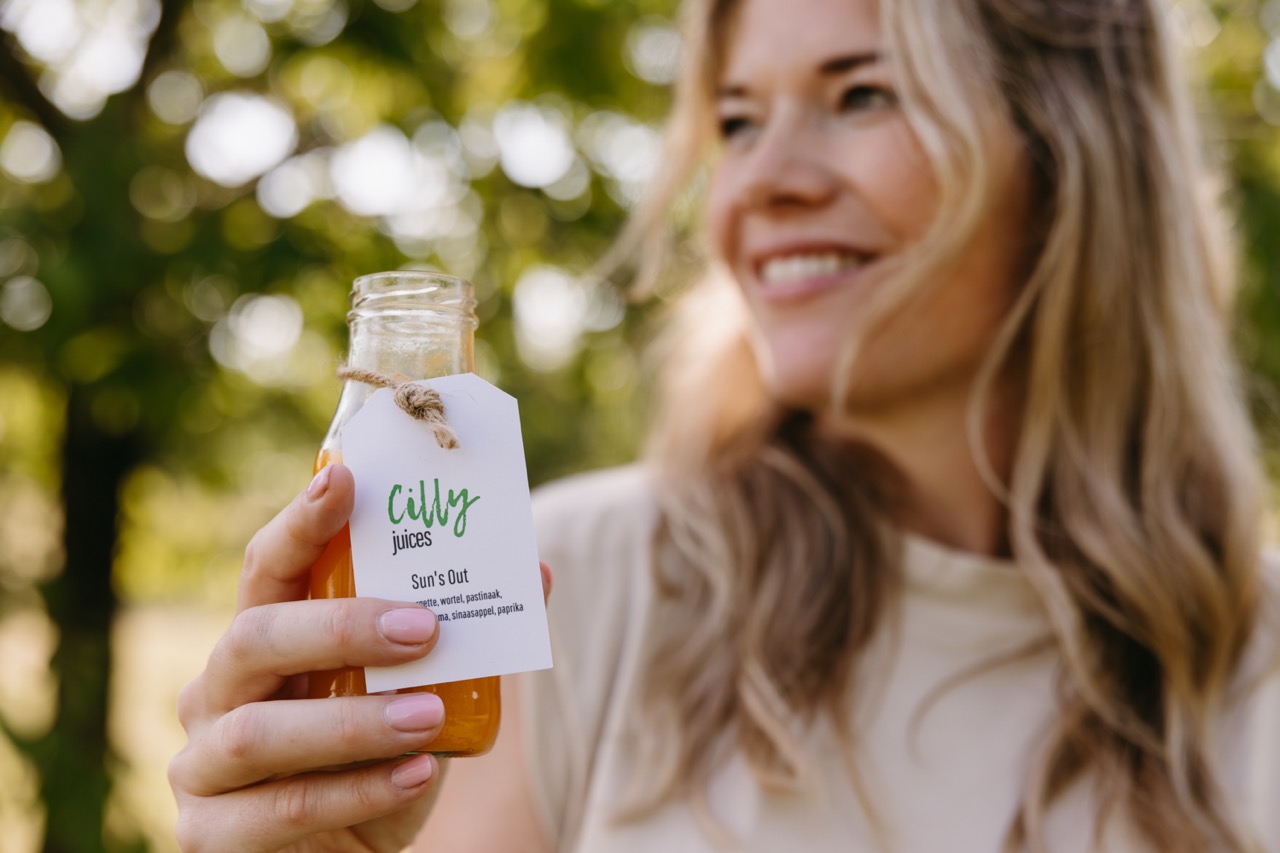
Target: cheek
897 179
719 213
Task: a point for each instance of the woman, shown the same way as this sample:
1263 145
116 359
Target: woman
947 539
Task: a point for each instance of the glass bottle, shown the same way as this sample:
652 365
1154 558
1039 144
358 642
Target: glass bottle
416 325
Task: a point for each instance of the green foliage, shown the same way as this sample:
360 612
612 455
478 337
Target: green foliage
1245 42
142 399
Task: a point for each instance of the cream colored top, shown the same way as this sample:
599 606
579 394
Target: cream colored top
945 778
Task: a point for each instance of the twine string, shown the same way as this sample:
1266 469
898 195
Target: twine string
416 401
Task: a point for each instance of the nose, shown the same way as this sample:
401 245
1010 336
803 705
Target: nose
785 167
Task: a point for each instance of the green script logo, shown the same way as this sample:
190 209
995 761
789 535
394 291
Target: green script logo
437 512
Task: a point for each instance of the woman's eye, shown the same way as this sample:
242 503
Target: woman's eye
731 126
867 98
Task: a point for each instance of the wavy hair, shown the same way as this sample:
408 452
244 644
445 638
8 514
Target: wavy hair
1134 499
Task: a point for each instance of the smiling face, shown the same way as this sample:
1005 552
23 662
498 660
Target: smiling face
821 186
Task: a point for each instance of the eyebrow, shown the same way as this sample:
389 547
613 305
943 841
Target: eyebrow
829 67
841 64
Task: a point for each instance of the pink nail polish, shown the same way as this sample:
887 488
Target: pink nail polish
415 771
409 626
319 484
416 713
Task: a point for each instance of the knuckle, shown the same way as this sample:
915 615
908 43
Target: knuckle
239 734
348 725
253 551
250 632
190 701
177 772
298 524
339 624
296 805
370 793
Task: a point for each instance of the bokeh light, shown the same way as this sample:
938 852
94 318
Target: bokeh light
289 188
17 257
29 154
269 11
550 311
255 336
242 46
90 50
239 136
1271 62
25 304
379 174
48 30
479 148
317 22
161 193
175 96
533 144
622 149
653 50
325 82
1195 23
469 19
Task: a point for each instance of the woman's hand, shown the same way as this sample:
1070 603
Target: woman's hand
265 770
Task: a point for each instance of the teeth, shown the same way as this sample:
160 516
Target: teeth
798 267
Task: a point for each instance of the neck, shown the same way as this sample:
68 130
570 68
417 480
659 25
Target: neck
944 495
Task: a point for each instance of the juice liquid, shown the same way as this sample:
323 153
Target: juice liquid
472 707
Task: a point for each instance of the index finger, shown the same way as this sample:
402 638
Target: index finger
278 558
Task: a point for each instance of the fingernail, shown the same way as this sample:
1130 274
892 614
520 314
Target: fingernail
410 626
414 713
319 484
415 771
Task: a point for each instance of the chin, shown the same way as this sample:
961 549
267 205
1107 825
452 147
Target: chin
800 386
798 362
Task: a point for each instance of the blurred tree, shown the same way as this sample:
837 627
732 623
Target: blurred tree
188 186
1239 50
169 225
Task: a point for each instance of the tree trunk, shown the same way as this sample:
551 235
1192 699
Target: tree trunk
75 756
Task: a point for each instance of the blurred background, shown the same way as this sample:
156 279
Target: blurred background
187 189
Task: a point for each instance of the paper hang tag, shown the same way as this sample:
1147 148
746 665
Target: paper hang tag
449 529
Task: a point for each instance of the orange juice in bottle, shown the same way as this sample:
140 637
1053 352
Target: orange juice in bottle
414 325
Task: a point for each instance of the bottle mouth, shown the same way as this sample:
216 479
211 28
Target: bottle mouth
412 290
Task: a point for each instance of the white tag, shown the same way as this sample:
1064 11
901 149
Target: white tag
449 529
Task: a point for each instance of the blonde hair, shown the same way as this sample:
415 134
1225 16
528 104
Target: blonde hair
1134 499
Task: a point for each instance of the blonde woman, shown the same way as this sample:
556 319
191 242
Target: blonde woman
947 539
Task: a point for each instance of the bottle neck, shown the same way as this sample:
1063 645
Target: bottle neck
410 343
413 343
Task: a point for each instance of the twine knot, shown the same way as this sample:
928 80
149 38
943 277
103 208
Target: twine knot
416 401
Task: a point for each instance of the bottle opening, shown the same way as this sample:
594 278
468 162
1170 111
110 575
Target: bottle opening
412 290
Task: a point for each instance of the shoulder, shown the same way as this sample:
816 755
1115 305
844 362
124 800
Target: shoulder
1257 677
595 531
625 487
1248 733
1261 662
606 515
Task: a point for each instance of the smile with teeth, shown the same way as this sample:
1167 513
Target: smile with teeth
790 268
